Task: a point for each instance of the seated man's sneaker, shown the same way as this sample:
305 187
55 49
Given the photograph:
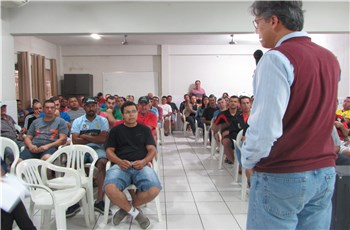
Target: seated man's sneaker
119 216
142 220
73 210
100 207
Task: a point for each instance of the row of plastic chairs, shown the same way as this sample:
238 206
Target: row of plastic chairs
57 193
61 192
238 146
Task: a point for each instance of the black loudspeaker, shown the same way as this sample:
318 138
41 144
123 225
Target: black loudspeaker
341 200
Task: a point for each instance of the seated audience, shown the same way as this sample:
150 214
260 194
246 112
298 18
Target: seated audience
130 157
174 110
110 112
205 104
190 112
197 90
64 105
230 122
45 134
8 130
222 106
155 104
209 111
62 115
92 130
145 117
345 112
37 108
167 112
21 113
130 98
74 110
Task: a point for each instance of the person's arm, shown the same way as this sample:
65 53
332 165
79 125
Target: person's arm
272 82
112 157
110 117
343 129
29 144
99 139
62 139
151 153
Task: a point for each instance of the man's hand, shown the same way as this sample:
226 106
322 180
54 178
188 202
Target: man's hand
249 172
43 148
34 149
124 164
139 164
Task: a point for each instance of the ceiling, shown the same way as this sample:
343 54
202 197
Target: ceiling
154 39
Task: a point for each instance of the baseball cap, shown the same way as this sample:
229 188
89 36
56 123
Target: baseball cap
90 100
143 99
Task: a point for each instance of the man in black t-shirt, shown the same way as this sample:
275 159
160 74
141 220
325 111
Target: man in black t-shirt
230 122
131 147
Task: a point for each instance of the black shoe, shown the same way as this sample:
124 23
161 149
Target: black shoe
228 161
100 207
73 210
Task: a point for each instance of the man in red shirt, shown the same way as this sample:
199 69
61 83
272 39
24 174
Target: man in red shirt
145 117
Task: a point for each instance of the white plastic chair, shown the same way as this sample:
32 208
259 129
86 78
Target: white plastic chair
8 143
133 187
30 173
238 145
185 123
221 150
75 155
199 131
212 144
159 140
206 132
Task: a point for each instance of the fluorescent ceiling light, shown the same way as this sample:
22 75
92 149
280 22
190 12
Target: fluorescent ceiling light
95 36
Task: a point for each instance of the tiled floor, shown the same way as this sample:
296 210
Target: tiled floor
195 195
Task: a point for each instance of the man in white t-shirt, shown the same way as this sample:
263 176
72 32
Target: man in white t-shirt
167 111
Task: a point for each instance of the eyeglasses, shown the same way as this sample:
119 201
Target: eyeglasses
130 112
256 22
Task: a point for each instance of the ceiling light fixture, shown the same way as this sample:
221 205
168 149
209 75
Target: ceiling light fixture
232 42
125 42
95 36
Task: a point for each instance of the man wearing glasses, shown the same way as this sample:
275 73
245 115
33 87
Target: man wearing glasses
130 147
293 158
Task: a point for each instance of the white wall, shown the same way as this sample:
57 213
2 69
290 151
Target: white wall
66 17
150 17
7 69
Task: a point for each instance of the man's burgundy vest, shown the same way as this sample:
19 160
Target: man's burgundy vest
306 142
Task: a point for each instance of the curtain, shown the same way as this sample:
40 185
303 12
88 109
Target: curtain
53 77
38 76
24 79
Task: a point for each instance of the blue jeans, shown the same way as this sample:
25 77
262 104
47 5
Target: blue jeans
143 179
291 200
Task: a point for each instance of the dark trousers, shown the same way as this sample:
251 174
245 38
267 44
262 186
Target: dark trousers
18 214
191 121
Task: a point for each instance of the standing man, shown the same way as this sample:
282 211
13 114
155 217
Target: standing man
45 134
130 157
288 144
197 90
92 130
